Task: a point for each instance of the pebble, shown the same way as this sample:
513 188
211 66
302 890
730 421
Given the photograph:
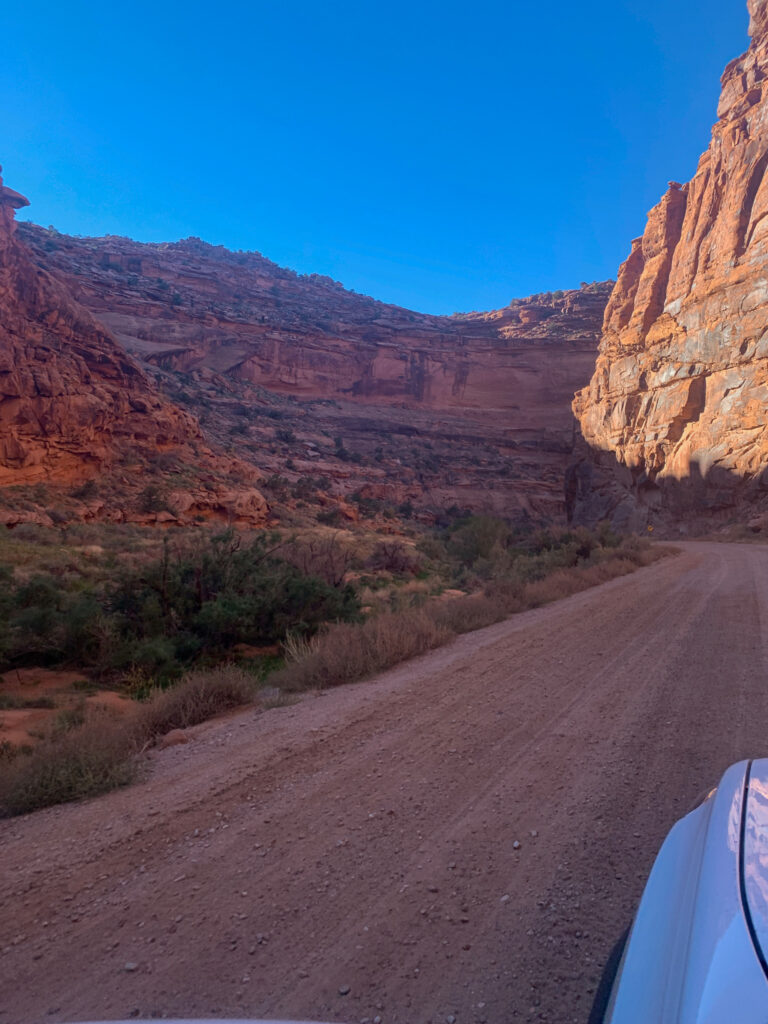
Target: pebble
516 845
505 898
344 990
130 966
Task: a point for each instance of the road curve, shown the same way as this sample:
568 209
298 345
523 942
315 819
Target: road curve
355 856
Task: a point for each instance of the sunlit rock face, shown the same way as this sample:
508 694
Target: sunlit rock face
680 389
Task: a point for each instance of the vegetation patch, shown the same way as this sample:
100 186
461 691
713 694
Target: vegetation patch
163 622
155 619
88 759
200 696
346 653
86 752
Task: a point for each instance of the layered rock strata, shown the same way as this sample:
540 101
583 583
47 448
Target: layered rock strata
74 405
680 391
470 410
69 396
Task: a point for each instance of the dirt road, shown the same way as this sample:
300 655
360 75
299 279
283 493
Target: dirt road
354 856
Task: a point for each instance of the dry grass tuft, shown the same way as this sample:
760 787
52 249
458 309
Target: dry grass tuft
96 753
91 758
344 652
199 696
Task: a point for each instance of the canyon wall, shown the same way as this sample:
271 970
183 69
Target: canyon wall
74 405
190 306
70 398
680 390
308 379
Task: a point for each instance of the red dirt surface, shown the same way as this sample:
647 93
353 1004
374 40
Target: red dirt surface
24 726
366 839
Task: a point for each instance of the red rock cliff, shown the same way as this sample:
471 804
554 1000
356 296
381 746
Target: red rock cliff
71 401
680 388
470 410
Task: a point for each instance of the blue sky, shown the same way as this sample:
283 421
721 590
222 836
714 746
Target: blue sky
441 155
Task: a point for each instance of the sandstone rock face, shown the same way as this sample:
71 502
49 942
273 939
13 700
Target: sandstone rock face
191 306
70 400
470 410
680 390
74 407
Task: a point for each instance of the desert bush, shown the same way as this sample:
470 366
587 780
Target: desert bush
9 702
345 652
478 537
329 517
199 696
92 758
508 592
606 536
87 751
564 582
394 557
86 490
153 498
158 618
68 719
464 614
325 557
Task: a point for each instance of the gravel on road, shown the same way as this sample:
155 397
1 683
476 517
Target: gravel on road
461 839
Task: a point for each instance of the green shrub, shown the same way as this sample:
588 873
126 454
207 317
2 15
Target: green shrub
157 619
479 537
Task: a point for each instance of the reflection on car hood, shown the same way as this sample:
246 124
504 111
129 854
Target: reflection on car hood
695 952
755 856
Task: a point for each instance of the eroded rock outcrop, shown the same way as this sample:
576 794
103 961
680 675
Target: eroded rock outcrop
75 406
680 391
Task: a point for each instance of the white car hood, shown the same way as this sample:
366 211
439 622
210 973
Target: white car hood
694 955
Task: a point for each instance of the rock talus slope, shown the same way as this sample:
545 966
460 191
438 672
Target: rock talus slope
680 388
